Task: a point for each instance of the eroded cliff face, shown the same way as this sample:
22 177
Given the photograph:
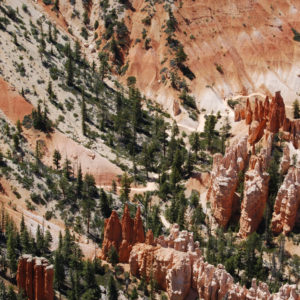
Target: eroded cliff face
224 180
287 202
122 235
255 196
35 277
265 119
243 46
176 263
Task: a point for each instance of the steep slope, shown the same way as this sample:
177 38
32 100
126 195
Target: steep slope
232 48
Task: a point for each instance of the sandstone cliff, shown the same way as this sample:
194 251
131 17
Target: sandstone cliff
224 180
255 196
287 202
179 271
35 278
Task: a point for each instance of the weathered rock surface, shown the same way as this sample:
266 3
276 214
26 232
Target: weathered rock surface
179 271
35 277
270 116
287 202
122 236
112 234
276 113
255 195
224 180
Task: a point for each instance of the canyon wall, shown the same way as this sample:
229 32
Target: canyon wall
35 277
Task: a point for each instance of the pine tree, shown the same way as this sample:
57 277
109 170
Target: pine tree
11 251
56 5
79 183
104 204
125 187
39 241
19 127
77 52
112 289
83 114
11 295
24 237
296 109
70 72
56 159
67 169
113 256
88 201
59 271
47 241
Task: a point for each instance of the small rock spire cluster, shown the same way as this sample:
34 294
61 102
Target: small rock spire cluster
122 235
35 277
176 263
270 116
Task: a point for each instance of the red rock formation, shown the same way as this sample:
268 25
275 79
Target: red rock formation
285 161
239 113
112 234
276 113
138 228
127 236
257 133
266 107
35 278
256 111
248 113
224 180
176 108
149 238
255 195
177 271
287 202
122 236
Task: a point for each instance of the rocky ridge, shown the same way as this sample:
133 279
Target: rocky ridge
177 265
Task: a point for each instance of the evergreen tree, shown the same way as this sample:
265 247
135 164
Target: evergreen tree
11 295
59 271
77 52
39 241
296 109
83 114
56 5
88 197
19 127
67 169
113 256
125 187
112 289
11 250
24 237
56 159
70 72
104 204
79 183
